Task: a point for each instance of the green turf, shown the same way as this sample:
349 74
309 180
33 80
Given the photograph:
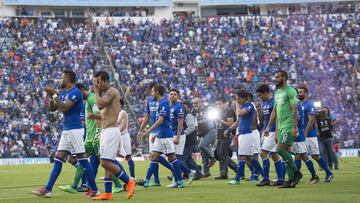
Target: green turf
16 182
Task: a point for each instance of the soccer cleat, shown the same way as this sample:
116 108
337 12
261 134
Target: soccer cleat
170 178
91 193
253 178
68 188
221 178
264 182
42 192
118 190
234 182
206 175
191 177
83 188
172 185
315 179
328 178
276 183
130 188
146 183
287 184
154 184
297 176
140 182
180 184
104 196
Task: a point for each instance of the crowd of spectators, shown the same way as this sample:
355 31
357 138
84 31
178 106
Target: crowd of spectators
230 52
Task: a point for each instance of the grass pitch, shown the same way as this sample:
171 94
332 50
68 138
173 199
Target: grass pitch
16 183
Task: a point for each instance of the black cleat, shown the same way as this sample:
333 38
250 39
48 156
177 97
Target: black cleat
297 177
287 184
221 178
277 183
315 179
264 182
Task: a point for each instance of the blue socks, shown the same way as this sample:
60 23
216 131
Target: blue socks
311 167
95 163
163 161
266 166
131 168
257 166
324 166
54 173
153 169
240 170
298 164
284 169
279 170
122 175
108 185
177 170
89 173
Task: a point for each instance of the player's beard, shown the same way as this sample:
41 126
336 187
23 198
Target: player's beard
279 84
301 98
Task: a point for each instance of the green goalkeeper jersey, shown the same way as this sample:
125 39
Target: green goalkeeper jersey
90 124
284 98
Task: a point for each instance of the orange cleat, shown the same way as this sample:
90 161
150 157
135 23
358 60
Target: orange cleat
104 196
130 188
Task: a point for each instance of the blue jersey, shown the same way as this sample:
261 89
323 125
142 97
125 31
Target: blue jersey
151 108
72 116
267 107
301 136
309 109
164 129
246 121
177 112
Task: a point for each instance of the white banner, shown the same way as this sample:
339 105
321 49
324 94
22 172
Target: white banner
23 161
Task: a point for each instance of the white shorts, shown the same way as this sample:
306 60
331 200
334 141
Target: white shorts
126 144
151 144
247 144
164 145
269 143
179 148
72 141
110 142
299 148
257 146
312 145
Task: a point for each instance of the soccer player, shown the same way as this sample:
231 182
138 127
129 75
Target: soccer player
177 125
91 146
285 113
164 141
269 145
310 131
123 122
246 139
71 142
110 137
300 148
150 118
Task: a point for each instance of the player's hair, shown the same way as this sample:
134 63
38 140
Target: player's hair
303 87
151 85
264 88
104 76
221 99
175 90
242 93
283 73
187 103
160 89
122 103
71 74
81 86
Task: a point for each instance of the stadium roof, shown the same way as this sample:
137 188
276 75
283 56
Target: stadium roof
91 3
255 2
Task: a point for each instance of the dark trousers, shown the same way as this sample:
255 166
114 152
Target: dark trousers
188 160
327 151
222 149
